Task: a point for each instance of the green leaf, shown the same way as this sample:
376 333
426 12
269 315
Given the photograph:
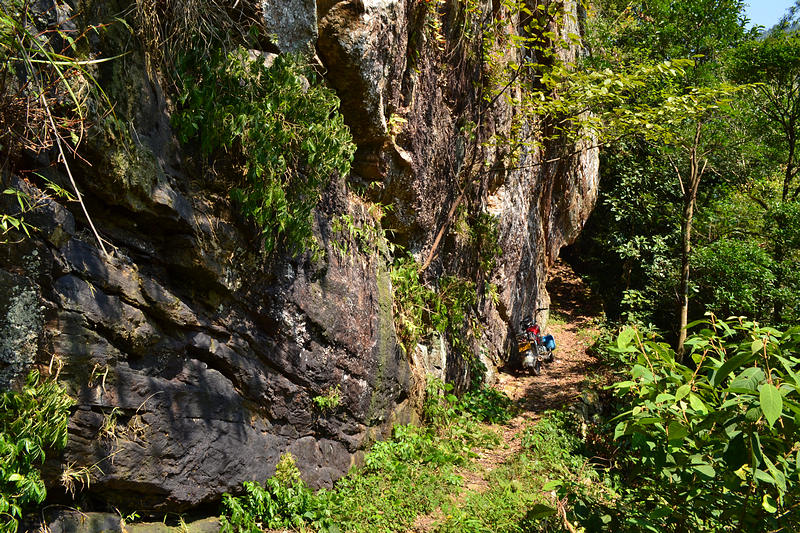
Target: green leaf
638 371
756 346
749 379
621 429
705 470
777 475
771 402
682 391
676 431
768 503
552 485
697 404
727 367
788 366
625 338
540 510
665 397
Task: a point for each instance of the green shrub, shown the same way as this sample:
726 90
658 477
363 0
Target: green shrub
330 400
487 404
276 124
735 277
413 472
284 501
715 445
32 421
448 309
411 299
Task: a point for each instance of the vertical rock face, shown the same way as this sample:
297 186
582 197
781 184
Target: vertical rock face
194 357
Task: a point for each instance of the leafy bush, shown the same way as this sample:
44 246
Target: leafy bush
330 400
735 277
714 445
284 501
32 421
277 123
420 310
487 404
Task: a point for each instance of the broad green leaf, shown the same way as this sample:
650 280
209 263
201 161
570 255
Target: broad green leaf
756 450
676 431
697 404
756 346
620 430
735 452
705 469
665 397
727 367
777 475
763 476
690 325
788 366
552 485
638 371
749 379
625 338
771 402
540 510
682 391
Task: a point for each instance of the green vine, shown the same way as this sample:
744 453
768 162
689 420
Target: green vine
421 310
275 123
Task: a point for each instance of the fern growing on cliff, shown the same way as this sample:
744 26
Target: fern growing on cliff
276 124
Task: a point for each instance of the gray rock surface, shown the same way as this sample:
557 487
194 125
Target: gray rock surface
195 358
65 520
293 23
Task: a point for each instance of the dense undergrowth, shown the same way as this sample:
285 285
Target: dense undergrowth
33 422
520 496
711 445
277 123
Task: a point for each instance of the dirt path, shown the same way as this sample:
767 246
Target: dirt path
573 315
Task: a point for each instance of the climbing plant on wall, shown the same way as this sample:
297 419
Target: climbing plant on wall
277 123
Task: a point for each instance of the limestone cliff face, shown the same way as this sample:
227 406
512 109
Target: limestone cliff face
195 357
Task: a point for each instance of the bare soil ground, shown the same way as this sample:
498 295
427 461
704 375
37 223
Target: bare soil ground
573 323
573 318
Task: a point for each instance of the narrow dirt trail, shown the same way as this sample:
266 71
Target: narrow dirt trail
573 318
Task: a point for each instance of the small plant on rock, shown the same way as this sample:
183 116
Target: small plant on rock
330 400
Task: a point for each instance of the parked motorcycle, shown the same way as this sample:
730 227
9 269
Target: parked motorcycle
534 347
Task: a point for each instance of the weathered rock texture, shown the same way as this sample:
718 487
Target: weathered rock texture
193 357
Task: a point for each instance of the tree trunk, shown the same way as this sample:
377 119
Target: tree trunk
686 249
789 174
690 188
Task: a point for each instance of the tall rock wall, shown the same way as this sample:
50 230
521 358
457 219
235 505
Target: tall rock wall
194 357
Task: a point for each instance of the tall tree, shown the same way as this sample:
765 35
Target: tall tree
774 64
684 135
